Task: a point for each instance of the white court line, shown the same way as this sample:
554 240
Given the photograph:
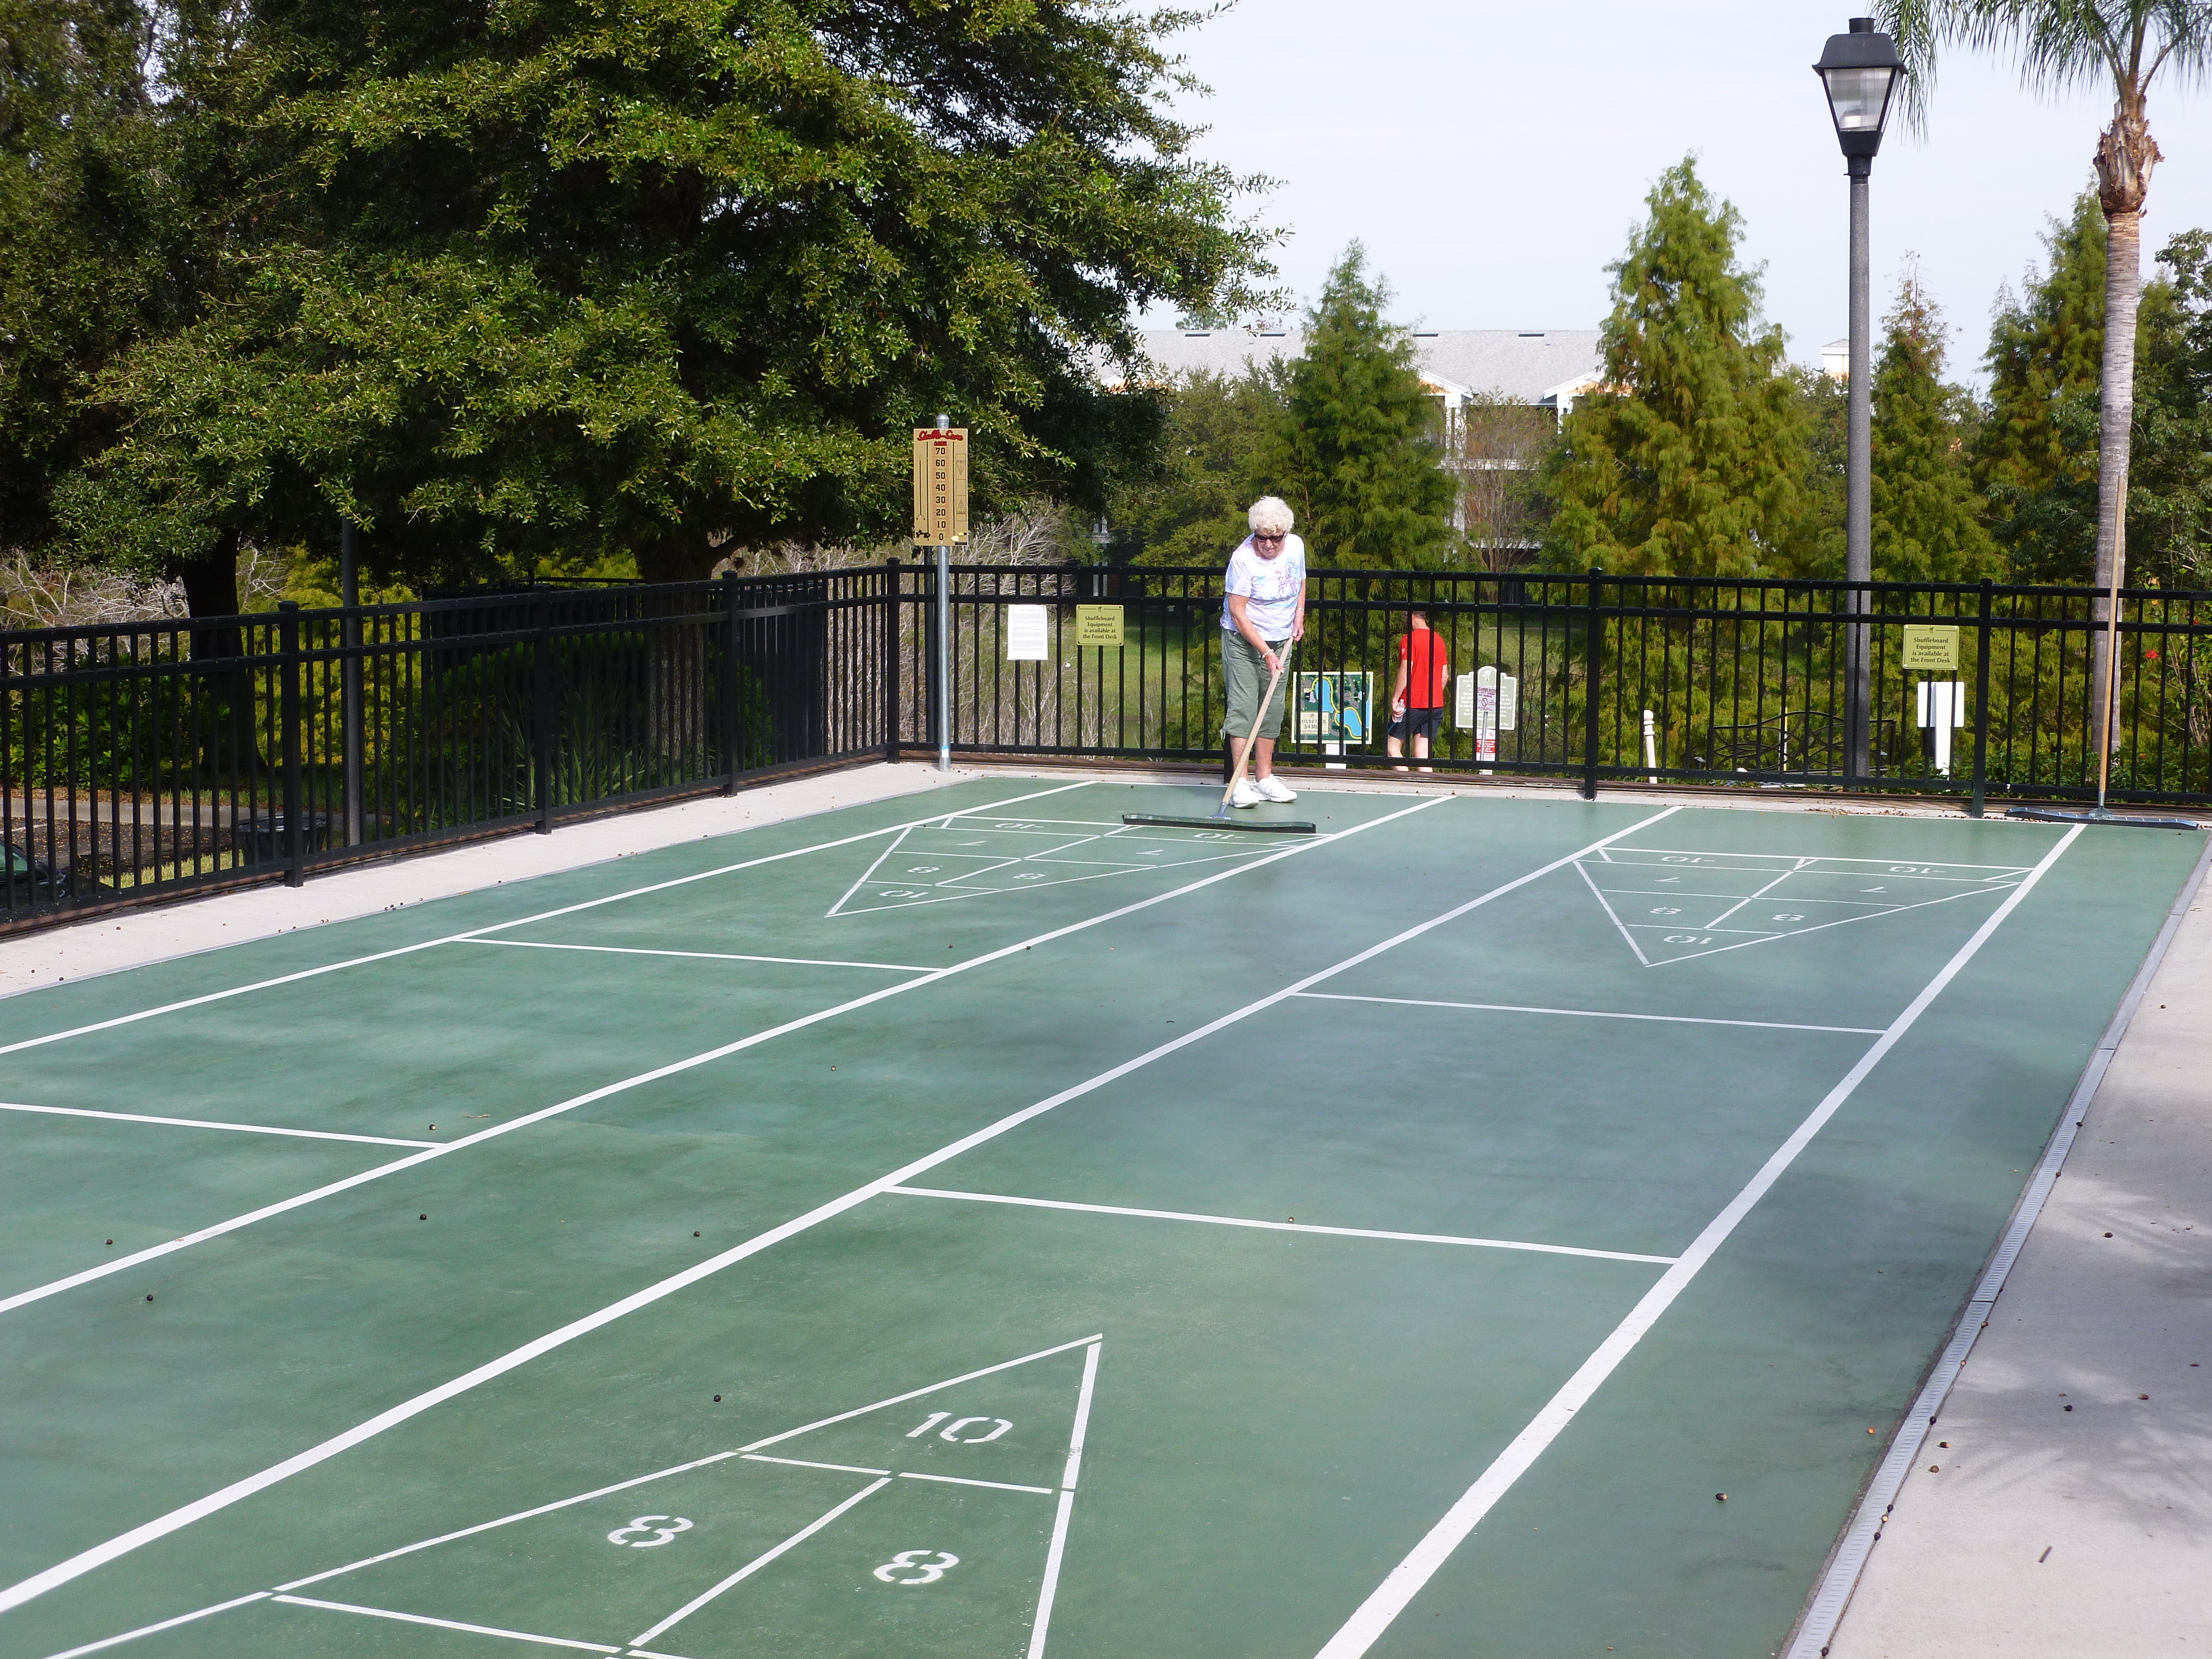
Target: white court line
1405 1581
500 926
1595 1014
707 956
122 1544
962 1481
1056 1551
801 1463
1605 904
758 1562
447 1623
932 977
751 1451
1890 865
167 1624
204 1123
1761 894
1273 1226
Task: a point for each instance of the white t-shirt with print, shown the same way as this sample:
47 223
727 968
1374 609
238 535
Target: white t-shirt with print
1270 587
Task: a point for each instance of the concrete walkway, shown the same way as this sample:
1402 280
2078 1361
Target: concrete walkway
2044 1533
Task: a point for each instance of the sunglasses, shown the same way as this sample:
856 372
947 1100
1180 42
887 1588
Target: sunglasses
1259 536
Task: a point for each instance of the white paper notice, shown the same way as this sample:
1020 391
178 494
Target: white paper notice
1028 633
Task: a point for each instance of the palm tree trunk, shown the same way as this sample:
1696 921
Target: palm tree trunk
2125 154
2123 285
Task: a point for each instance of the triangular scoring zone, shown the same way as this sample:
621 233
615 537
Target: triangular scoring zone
1670 904
827 1449
966 856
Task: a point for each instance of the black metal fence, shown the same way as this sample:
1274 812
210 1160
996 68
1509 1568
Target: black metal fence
147 760
150 760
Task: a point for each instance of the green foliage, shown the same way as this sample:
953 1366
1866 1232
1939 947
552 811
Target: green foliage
2035 453
1189 509
572 281
2035 457
1815 545
1928 522
1691 462
1358 452
2170 483
81 210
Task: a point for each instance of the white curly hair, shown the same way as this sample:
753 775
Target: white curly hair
1271 515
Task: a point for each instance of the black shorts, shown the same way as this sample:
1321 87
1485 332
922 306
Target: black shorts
1417 723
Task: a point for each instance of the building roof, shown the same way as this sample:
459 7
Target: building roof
1530 365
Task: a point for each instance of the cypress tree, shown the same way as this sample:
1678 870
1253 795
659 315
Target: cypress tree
1927 521
2036 455
1689 463
1358 453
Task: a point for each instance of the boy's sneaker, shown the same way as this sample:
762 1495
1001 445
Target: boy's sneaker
1275 789
1245 794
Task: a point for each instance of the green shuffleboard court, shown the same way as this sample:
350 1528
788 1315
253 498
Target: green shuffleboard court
967 1227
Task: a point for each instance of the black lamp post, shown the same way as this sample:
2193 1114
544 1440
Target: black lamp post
1861 72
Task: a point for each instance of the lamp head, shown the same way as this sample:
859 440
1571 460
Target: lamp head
1861 72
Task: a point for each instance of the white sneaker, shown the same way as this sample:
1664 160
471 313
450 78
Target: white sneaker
1275 789
1245 794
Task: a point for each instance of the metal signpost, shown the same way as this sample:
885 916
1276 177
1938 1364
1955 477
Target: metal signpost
940 518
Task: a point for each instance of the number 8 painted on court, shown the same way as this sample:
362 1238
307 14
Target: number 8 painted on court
661 1535
911 1561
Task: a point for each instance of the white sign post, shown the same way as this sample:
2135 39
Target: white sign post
1943 709
1488 702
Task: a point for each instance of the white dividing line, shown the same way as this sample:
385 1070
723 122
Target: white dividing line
801 1463
447 1623
704 956
1595 1014
1605 904
758 1562
122 1544
1390 1598
167 1624
915 1394
750 1451
501 926
1274 1226
1041 1625
1761 894
932 977
1824 1611
204 1123
962 1481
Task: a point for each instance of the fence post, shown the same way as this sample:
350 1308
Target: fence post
732 745
288 747
891 581
541 741
349 675
1982 708
1593 651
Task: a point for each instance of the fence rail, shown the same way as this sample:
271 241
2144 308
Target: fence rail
147 760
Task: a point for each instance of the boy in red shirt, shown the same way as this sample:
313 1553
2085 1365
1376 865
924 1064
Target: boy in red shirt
1417 702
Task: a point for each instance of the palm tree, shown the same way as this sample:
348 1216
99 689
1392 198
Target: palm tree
2066 43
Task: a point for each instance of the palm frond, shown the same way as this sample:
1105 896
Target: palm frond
2059 44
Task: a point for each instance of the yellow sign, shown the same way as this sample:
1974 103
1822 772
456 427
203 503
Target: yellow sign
1098 624
1930 650
940 486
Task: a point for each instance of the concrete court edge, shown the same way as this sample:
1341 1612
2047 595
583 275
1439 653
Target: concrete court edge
1830 1600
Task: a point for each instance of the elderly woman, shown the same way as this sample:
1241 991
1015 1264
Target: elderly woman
1263 609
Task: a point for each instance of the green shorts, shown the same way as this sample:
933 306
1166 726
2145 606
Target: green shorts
1247 678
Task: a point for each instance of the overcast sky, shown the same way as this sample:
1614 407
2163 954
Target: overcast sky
1493 156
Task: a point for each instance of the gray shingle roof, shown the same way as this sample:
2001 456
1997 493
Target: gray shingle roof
1527 366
